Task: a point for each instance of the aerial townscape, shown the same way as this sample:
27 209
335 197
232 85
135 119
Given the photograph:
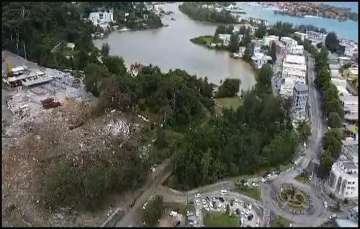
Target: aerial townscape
179 114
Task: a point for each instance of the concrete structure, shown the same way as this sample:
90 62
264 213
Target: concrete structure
267 40
300 99
70 45
344 60
350 47
102 18
294 70
23 77
340 85
296 50
301 35
350 149
315 37
351 107
260 59
343 179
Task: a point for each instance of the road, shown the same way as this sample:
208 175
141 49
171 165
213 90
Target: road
150 188
311 154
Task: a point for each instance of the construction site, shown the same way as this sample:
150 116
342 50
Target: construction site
47 115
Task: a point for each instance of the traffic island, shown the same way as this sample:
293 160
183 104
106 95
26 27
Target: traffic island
293 200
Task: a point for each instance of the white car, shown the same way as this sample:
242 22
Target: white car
325 204
223 191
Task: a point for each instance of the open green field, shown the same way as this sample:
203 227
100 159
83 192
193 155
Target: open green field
203 40
302 178
280 222
253 192
233 103
216 219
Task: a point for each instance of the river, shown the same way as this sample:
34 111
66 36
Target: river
170 48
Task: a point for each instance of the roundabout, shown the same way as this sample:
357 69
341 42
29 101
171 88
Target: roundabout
292 199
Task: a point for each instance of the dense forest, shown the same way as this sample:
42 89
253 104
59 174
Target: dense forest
257 135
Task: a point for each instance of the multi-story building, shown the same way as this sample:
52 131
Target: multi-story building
294 70
101 18
351 107
343 179
300 99
315 37
225 38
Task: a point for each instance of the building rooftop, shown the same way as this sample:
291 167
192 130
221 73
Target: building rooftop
345 223
300 86
349 165
295 59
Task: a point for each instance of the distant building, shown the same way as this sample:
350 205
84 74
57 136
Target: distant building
343 179
102 18
351 107
225 38
315 37
300 99
340 85
350 47
294 70
300 35
260 59
267 40
344 60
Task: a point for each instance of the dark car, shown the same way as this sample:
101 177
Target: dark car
250 217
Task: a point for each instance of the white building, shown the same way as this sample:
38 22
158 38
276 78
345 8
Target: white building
350 47
344 60
351 107
296 50
289 42
225 38
301 35
343 179
101 18
294 70
315 37
267 40
300 98
340 85
260 59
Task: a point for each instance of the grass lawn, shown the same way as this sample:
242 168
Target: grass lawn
233 103
302 178
216 219
280 222
203 40
253 192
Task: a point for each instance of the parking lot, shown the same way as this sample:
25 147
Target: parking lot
217 202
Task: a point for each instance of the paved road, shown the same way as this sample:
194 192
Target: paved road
312 153
132 216
153 186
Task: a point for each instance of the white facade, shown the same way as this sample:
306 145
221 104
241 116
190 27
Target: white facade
296 50
340 85
293 71
101 18
344 60
289 42
350 47
267 40
351 107
343 179
300 98
260 59
315 37
225 38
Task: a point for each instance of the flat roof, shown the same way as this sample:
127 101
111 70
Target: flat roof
300 86
37 81
296 59
345 223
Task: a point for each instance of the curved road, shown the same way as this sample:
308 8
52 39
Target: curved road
319 216
312 154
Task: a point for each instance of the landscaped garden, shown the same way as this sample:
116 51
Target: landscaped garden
293 198
215 219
